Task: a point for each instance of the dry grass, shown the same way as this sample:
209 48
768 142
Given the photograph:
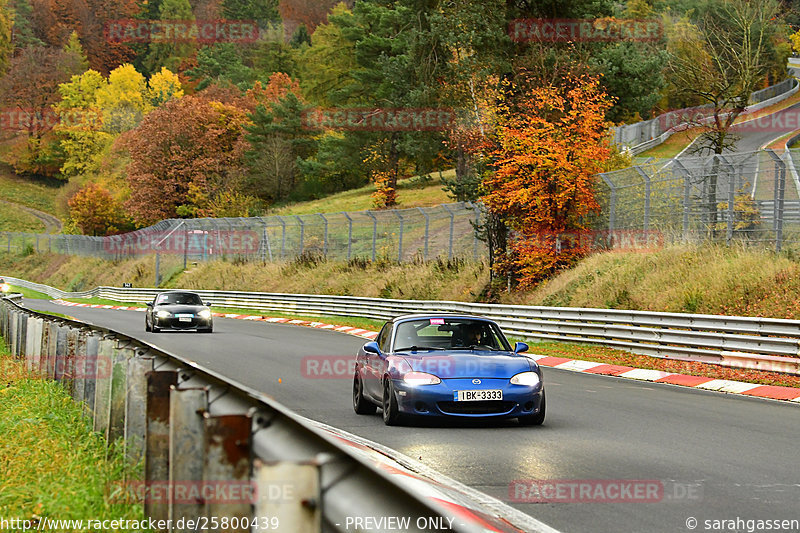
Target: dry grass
705 279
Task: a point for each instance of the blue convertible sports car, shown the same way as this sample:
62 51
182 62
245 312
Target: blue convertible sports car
448 366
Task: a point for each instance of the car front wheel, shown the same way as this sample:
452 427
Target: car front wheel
391 412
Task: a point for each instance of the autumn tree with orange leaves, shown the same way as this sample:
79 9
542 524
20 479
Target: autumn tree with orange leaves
548 147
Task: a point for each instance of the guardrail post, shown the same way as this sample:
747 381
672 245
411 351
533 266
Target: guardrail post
186 452
156 452
102 385
227 451
119 388
12 336
135 399
92 370
33 344
56 364
275 481
68 362
79 368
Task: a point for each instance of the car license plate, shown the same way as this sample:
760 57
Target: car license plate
477 395
184 318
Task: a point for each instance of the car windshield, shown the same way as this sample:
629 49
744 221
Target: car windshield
179 299
447 333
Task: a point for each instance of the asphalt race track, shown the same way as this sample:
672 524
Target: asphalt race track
719 457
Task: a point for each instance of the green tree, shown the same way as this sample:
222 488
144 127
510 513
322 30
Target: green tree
6 46
123 100
23 27
278 140
80 127
74 47
170 54
221 64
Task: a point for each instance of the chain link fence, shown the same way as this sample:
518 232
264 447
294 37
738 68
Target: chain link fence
445 231
751 197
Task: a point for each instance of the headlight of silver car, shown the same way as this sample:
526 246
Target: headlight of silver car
163 314
529 379
205 314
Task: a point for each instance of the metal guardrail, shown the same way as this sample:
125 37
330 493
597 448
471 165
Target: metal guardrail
646 134
205 433
744 342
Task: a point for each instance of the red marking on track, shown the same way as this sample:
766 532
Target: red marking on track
609 370
683 379
774 392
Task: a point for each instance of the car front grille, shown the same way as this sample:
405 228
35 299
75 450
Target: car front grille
485 407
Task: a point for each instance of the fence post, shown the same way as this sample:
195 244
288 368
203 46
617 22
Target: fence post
612 203
349 234
400 240
302 233
452 224
427 228
778 207
646 179
283 234
374 231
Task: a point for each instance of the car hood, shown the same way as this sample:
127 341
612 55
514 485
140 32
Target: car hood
466 364
180 308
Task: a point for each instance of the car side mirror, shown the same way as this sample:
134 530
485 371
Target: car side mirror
207 304
372 347
149 304
520 347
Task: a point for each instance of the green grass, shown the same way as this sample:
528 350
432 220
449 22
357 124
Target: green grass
12 219
29 293
51 462
414 192
27 192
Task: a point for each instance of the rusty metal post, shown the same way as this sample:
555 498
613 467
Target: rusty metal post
68 362
92 369
55 368
102 385
119 388
186 407
79 367
156 453
135 410
289 493
227 450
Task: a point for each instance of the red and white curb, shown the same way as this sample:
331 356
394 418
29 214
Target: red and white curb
772 392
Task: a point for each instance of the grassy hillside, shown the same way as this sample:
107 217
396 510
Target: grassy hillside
710 279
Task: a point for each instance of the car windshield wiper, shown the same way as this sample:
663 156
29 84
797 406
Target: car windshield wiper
417 348
482 347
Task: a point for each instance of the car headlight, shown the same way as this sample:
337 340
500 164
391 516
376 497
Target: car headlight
163 314
529 379
5 287
421 378
205 314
